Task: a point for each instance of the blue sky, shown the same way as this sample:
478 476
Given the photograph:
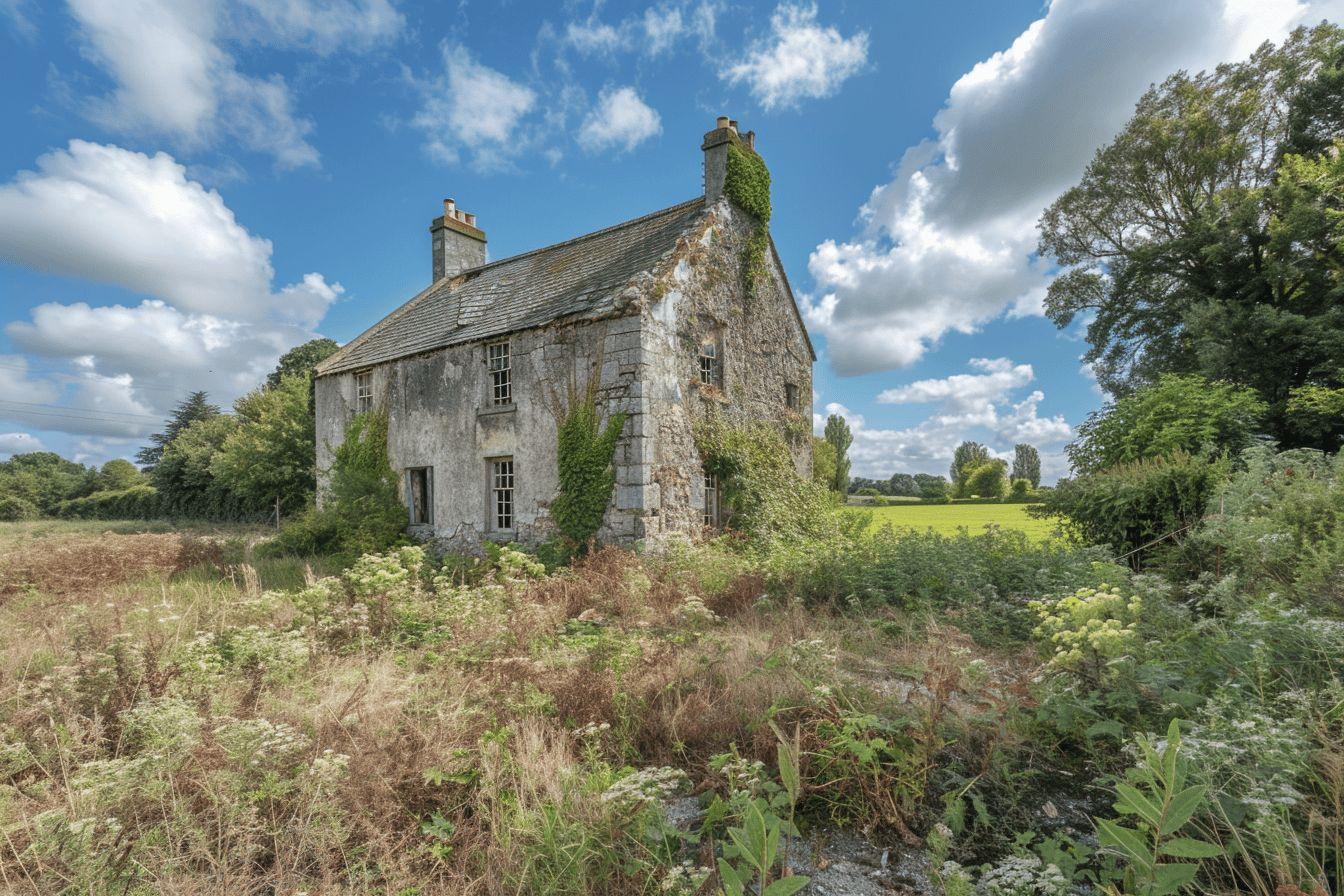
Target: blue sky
188 187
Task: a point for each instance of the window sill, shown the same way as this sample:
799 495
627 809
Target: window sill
501 535
495 409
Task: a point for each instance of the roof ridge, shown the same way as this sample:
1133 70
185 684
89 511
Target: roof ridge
457 289
574 239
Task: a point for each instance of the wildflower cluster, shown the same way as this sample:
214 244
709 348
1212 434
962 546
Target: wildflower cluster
1022 876
261 743
694 614
645 786
1090 627
685 879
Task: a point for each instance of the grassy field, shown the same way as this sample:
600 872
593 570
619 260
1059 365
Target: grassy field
948 518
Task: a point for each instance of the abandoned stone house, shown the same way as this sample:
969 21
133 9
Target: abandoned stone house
654 313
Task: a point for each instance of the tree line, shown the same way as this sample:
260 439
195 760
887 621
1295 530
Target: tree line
255 461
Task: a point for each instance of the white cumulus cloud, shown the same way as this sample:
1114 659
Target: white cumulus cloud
212 318
473 110
115 216
19 443
175 76
801 59
979 406
947 244
620 120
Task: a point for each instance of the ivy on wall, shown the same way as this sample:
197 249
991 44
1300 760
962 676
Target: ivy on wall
585 448
747 184
765 496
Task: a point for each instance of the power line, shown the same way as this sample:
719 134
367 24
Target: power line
51 370
90 410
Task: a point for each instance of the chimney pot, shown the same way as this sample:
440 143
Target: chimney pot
448 206
721 121
471 219
733 124
751 140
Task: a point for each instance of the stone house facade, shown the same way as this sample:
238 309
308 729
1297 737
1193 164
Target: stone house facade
653 313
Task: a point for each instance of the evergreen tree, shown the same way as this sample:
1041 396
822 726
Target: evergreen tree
838 435
195 407
1027 464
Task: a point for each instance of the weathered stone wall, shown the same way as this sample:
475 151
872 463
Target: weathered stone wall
763 346
440 416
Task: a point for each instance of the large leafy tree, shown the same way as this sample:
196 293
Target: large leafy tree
1196 242
270 455
838 434
184 477
1177 413
45 479
966 457
301 359
193 408
1027 464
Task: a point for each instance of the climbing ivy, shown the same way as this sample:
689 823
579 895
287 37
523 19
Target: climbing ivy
764 494
584 448
747 184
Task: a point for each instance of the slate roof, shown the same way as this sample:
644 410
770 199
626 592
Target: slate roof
578 278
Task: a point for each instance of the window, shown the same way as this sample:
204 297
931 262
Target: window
791 396
709 363
711 500
501 373
420 495
363 391
501 493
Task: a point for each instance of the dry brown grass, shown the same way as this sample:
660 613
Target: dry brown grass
88 564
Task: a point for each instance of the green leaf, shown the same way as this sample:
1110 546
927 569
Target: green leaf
1105 726
1127 842
1133 801
1189 848
787 886
732 883
1182 807
1170 878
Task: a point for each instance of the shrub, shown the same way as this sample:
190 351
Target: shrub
1133 505
14 509
987 480
1020 492
1280 522
139 502
361 510
1176 414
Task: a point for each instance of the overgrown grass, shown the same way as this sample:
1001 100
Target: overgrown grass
213 723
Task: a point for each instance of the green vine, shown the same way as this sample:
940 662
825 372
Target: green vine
747 184
584 449
766 497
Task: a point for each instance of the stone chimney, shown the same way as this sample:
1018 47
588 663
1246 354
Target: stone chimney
716 154
457 243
